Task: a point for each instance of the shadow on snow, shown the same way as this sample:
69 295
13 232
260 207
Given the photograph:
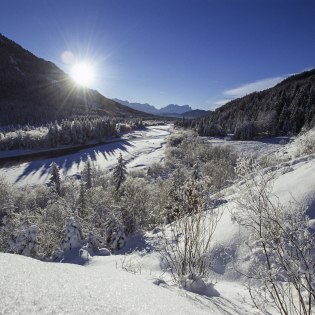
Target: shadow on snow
66 162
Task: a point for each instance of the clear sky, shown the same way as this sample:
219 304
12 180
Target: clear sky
196 52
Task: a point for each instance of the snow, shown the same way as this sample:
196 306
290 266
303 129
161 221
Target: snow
139 149
28 286
135 283
256 148
297 185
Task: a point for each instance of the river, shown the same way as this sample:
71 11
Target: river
139 149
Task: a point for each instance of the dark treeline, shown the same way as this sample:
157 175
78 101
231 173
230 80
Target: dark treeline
286 109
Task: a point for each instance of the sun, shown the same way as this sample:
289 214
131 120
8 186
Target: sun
83 73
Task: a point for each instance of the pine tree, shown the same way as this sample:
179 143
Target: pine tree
87 174
82 206
8 224
73 234
115 235
54 179
119 173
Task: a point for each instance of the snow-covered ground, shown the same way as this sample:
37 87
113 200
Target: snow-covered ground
133 283
138 149
256 148
101 286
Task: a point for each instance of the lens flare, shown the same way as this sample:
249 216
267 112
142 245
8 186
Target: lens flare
67 57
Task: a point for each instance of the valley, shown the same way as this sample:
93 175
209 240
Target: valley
116 199
139 149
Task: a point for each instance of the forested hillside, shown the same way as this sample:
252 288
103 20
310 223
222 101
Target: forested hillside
284 109
33 91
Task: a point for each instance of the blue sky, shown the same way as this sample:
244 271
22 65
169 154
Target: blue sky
196 52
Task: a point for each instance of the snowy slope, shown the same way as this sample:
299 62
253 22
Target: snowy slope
103 285
28 286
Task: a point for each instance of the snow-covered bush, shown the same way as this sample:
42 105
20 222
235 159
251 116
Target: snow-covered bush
305 143
155 170
282 269
27 240
175 140
214 162
134 204
185 243
50 221
18 232
219 173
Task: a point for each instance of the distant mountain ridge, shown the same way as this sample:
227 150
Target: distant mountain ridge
284 109
145 107
33 90
175 109
170 110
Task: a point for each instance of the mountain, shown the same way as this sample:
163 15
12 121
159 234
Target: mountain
284 109
175 109
33 90
171 110
147 108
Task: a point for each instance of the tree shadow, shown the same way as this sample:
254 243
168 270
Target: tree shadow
137 243
66 162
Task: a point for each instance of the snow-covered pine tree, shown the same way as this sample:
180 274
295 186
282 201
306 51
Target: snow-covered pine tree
87 174
115 235
119 173
82 203
7 226
73 235
54 179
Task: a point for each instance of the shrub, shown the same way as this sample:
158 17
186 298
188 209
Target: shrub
185 243
282 245
306 143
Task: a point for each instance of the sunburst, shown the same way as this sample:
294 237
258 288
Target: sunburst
83 73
